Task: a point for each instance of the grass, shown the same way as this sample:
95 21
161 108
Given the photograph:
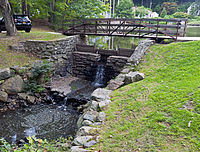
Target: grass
162 112
9 58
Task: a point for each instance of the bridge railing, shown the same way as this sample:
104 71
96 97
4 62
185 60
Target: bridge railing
171 28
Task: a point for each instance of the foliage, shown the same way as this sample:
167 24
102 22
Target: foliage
183 7
35 144
163 13
195 7
124 9
141 11
160 113
180 15
40 74
5 146
170 7
58 10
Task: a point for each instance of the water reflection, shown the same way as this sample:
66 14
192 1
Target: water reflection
113 43
193 31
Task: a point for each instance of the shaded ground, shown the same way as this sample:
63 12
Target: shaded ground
9 58
162 112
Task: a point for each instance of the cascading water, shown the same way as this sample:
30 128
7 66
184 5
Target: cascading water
100 76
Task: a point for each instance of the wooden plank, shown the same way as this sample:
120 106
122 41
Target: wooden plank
142 19
129 25
85 48
125 52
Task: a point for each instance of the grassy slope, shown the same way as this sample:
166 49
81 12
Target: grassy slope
153 114
9 58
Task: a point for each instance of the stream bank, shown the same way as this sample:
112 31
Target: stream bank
81 95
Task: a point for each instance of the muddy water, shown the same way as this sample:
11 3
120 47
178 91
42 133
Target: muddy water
42 121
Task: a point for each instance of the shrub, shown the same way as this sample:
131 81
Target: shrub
40 74
180 15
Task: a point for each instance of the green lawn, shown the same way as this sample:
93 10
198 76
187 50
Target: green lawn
162 112
9 58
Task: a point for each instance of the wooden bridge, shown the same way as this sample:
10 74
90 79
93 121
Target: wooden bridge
141 28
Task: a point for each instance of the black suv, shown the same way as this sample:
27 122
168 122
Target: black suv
22 22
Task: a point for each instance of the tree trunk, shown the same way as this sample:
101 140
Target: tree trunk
8 17
23 7
28 10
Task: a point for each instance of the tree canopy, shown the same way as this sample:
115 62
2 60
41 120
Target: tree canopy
125 9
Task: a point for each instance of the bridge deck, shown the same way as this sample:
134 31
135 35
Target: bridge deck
143 28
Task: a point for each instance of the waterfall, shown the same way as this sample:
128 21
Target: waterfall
99 78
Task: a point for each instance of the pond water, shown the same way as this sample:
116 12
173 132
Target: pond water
113 43
106 42
42 121
193 31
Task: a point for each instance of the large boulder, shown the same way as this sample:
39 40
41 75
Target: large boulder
5 73
91 116
81 140
13 85
101 94
86 130
3 96
114 84
133 77
78 149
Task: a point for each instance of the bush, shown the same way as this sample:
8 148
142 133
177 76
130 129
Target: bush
180 15
40 74
163 13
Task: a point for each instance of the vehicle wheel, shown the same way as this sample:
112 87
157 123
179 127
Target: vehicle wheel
27 31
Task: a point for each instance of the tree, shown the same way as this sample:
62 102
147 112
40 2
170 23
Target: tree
8 17
163 13
142 11
125 9
171 7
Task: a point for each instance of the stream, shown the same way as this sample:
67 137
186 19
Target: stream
52 121
42 121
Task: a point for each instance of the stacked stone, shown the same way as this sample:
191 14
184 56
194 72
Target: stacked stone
84 64
115 64
59 52
88 123
12 84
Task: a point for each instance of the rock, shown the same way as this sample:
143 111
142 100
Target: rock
5 73
22 96
101 117
101 94
139 51
30 99
93 106
81 140
87 123
90 115
85 130
79 122
103 104
120 77
78 149
90 143
13 85
114 84
3 96
126 70
133 77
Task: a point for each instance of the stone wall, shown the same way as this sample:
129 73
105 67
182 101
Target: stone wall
59 52
84 65
114 65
